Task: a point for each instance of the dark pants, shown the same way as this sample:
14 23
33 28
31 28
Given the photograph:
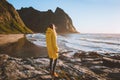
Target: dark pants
52 65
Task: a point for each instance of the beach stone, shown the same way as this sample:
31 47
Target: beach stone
12 72
116 57
114 76
111 62
37 69
28 67
80 55
94 54
3 58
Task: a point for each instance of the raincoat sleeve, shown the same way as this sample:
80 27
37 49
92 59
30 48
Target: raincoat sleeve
55 43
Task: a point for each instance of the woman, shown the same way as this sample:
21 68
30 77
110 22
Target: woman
52 47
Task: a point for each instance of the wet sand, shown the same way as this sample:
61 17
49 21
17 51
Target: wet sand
9 38
16 45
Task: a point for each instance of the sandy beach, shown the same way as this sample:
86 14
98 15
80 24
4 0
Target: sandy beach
9 38
16 45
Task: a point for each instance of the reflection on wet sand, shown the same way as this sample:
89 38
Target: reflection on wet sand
23 48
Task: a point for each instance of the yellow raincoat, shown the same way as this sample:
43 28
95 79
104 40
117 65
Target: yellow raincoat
51 43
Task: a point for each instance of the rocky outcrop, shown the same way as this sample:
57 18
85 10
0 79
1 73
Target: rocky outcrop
10 21
37 69
38 21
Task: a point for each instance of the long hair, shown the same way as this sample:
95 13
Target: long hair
52 26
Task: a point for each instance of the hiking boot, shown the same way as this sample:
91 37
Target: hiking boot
55 74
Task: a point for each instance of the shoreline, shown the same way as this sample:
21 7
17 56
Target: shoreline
9 38
16 45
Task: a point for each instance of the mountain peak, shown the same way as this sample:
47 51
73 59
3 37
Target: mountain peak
59 10
38 21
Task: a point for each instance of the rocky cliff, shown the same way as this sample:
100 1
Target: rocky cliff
10 21
39 20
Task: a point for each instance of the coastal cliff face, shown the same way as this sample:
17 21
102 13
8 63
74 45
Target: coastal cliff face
10 21
38 21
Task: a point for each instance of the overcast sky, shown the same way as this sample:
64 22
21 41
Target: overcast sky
88 16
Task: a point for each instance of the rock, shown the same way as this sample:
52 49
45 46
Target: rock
12 72
10 21
3 57
37 69
94 54
111 62
117 57
28 67
82 55
98 69
38 21
114 76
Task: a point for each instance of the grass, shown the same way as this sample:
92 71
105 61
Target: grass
13 27
8 22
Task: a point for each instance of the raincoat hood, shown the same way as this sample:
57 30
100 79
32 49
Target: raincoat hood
49 30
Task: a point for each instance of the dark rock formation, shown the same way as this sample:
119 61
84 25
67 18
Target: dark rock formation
107 68
10 22
37 69
111 62
38 21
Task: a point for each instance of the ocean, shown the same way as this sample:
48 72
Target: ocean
100 43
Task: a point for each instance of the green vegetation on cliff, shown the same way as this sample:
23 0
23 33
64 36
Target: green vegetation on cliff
10 22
